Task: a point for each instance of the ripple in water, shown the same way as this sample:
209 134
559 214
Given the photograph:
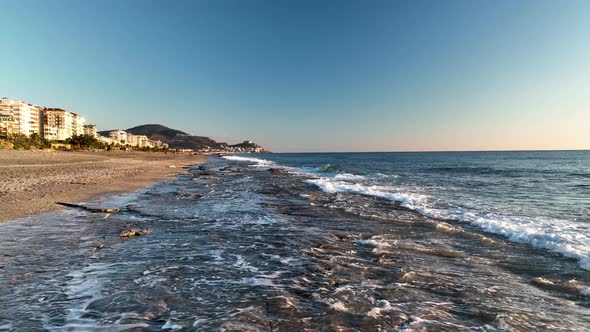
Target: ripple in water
241 248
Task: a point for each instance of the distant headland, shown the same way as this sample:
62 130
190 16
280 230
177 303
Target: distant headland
179 140
28 126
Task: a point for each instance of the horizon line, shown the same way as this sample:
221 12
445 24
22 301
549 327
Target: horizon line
441 151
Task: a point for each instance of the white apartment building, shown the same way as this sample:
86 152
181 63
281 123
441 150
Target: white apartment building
138 140
59 124
107 140
79 122
90 130
119 136
28 119
7 124
26 116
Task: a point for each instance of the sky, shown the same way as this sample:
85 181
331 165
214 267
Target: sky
307 76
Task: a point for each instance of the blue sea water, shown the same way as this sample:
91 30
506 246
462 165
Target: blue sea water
466 241
541 198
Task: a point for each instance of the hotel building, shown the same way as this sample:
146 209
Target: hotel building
138 140
59 124
26 116
119 136
90 130
7 124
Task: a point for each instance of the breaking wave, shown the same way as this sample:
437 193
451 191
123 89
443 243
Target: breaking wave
562 236
257 161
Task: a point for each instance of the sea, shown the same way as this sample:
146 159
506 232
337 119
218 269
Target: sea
429 241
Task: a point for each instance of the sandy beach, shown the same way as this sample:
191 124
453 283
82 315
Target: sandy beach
32 181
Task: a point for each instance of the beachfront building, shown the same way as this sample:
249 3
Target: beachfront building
26 116
7 124
90 130
107 140
79 122
158 144
18 117
138 140
59 124
119 136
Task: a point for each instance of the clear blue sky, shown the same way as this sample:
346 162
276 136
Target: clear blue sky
312 75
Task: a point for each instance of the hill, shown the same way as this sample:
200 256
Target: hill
176 139
158 131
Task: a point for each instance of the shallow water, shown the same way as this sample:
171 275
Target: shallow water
541 198
255 246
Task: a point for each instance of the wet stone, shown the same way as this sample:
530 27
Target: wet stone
256 255
135 232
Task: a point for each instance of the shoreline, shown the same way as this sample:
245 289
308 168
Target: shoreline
32 181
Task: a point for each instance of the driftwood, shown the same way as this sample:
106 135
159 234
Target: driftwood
86 208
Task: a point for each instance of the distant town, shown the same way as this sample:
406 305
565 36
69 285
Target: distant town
59 128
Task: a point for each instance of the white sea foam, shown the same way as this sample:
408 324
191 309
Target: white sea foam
379 245
561 236
83 287
257 161
258 281
169 325
381 306
263 220
565 237
348 177
243 265
216 254
410 200
384 176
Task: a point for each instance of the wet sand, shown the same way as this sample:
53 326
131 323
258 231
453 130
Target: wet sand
32 181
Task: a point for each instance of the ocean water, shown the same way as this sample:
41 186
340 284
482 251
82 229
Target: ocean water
472 241
540 198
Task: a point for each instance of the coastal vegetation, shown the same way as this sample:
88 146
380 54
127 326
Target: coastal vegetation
149 138
22 142
86 142
76 142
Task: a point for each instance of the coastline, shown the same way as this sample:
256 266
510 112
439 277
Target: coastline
32 181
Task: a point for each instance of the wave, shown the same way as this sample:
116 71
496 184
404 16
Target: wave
406 199
326 170
561 236
257 161
349 177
